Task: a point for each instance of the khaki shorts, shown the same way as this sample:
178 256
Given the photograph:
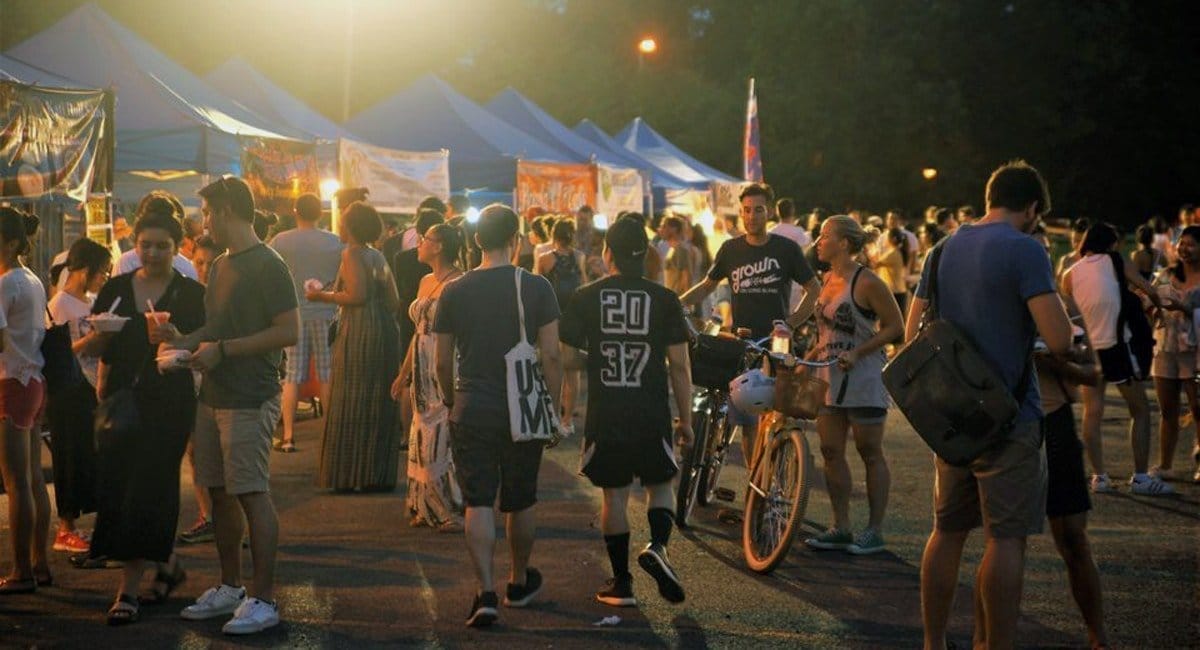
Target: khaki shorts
233 447
1174 365
1004 490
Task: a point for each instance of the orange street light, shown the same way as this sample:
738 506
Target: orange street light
648 46
929 173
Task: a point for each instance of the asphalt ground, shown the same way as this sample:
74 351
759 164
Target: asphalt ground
353 574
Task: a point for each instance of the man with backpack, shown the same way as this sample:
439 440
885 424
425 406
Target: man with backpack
995 284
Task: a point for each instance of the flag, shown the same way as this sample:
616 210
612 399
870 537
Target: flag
752 169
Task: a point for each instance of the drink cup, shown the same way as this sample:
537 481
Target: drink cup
155 320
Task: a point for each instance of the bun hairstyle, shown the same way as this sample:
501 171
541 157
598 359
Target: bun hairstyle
453 241
263 221
17 226
850 230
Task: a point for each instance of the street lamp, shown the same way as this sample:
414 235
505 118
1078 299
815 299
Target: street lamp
929 173
648 45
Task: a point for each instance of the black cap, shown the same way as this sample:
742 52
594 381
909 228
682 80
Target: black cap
627 239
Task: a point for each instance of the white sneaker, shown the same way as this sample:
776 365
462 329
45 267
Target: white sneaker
217 601
1150 487
1101 484
252 616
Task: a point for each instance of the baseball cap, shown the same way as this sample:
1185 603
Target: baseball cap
626 239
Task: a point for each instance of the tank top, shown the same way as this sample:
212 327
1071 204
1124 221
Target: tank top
843 326
1096 292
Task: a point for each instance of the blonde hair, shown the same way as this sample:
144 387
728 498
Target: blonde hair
849 229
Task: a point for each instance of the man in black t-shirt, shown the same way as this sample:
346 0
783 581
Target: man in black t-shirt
760 268
477 323
630 327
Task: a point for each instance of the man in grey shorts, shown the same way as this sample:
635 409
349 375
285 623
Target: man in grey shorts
1002 306
252 314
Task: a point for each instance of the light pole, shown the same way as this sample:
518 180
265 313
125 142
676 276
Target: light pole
646 47
347 60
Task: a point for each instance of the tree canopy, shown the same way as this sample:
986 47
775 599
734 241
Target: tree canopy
856 97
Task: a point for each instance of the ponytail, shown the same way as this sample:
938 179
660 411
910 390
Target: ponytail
18 226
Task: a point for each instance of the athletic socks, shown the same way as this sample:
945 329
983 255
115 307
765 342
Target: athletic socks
660 525
618 553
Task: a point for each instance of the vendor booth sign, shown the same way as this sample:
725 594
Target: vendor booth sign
51 140
398 180
554 187
278 171
618 190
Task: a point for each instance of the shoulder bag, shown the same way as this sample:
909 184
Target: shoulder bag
951 395
531 412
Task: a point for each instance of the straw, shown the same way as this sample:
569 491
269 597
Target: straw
113 309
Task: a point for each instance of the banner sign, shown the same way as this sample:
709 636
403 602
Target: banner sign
725 197
51 140
398 180
618 190
554 187
278 171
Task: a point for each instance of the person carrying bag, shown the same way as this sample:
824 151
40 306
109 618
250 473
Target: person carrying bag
531 412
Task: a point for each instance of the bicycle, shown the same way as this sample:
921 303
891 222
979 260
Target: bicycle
780 467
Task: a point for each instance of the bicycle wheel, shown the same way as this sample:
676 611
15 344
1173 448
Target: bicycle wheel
689 469
776 500
710 473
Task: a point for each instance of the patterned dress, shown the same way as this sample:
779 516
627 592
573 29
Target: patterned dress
434 497
360 449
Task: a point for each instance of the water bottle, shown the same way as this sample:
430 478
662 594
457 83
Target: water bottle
781 338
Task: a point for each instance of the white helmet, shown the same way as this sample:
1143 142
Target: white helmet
752 392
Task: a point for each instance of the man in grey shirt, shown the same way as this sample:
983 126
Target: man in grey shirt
310 254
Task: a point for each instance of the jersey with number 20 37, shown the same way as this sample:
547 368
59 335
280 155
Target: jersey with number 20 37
625 324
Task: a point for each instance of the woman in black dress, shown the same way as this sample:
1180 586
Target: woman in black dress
139 472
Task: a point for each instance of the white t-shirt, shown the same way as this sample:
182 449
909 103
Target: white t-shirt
1096 292
130 262
65 308
23 325
409 239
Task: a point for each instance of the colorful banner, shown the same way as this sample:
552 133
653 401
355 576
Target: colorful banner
278 171
618 190
51 140
554 187
398 180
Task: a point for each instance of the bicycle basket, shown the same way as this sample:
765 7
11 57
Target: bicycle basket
798 394
715 361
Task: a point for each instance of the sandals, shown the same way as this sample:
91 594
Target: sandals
284 446
85 561
10 587
729 516
168 582
124 611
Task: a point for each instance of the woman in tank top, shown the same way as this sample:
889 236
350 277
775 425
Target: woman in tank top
857 316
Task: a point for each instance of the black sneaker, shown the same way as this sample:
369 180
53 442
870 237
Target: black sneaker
483 610
618 592
520 595
654 561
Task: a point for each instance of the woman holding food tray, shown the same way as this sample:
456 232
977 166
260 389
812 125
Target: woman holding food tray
139 468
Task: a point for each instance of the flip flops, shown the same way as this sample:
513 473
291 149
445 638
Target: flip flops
284 446
168 582
124 611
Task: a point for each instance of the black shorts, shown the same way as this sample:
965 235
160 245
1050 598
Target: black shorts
1118 364
486 460
1067 487
614 463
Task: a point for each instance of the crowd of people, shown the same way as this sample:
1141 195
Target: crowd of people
417 340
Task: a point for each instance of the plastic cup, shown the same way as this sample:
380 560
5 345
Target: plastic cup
155 319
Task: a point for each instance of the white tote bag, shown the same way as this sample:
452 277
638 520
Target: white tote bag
531 412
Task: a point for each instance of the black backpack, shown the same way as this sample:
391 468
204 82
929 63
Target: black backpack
1141 335
565 277
61 369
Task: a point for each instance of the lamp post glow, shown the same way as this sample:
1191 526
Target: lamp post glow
929 173
648 46
329 188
